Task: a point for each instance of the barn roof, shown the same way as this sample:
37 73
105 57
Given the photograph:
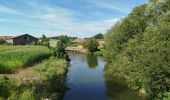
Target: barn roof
12 37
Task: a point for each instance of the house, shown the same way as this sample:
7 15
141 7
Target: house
79 40
21 40
53 42
101 43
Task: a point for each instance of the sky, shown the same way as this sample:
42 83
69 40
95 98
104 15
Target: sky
80 18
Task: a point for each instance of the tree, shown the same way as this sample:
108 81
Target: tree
60 52
65 40
91 45
44 38
138 48
98 36
2 41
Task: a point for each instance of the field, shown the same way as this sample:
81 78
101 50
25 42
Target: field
12 57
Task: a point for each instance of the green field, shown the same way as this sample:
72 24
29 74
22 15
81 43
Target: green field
12 57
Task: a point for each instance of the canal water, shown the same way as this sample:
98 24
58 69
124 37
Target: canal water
87 81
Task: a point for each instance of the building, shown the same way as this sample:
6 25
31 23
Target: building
101 43
79 40
53 42
21 40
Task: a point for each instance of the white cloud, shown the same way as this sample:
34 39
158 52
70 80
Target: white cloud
110 5
55 21
87 27
4 9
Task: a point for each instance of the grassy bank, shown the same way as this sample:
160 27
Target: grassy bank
12 57
44 80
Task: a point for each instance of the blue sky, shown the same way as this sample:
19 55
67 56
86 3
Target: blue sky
82 18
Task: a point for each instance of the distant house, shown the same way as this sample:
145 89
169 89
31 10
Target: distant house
53 42
101 43
79 40
21 40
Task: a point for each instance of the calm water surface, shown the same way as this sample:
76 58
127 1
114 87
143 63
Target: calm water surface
87 81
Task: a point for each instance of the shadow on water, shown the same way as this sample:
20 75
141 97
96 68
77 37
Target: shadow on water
87 81
117 89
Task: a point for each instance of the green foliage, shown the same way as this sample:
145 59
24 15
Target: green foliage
51 68
60 52
44 38
2 41
91 45
99 53
98 36
138 49
27 95
49 85
167 96
19 56
4 87
65 40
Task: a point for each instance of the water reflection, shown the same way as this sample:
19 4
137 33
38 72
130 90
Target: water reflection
87 81
117 89
92 61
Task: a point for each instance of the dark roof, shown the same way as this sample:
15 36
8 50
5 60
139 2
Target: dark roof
23 35
12 37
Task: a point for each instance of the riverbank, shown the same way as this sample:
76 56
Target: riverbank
43 80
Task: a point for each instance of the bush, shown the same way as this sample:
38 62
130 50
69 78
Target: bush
27 95
2 41
91 45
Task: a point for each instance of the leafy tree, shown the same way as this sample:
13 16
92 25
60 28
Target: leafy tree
65 40
98 36
91 45
44 38
138 48
2 41
60 52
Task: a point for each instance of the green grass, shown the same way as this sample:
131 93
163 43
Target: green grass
50 84
51 68
12 57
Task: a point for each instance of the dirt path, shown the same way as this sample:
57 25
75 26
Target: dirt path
26 75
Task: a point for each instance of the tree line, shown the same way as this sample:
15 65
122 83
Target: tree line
138 49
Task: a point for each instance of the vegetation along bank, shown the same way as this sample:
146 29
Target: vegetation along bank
32 73
138 49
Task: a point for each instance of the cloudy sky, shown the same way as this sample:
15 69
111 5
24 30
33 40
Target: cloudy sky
82 18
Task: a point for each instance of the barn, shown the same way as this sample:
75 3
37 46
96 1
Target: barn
22 39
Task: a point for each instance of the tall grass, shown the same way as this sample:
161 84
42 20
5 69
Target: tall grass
50 84
12 57
51 68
